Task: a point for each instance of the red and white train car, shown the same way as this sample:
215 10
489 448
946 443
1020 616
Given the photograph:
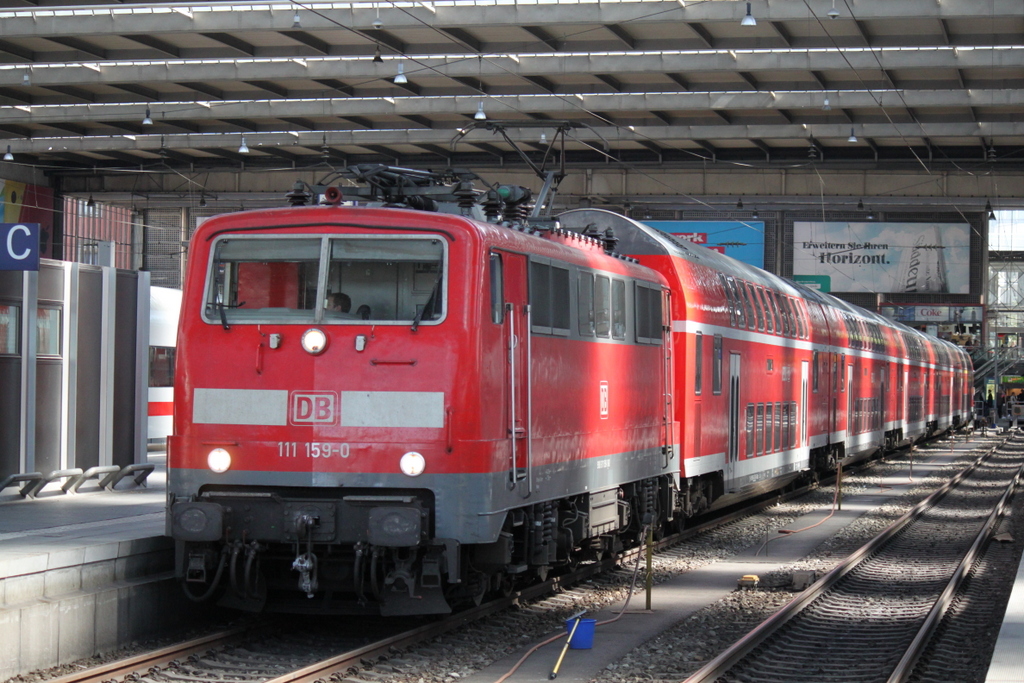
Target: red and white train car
774 380
397 410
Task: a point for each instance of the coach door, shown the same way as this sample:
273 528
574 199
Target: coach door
517 341
804 373
734 416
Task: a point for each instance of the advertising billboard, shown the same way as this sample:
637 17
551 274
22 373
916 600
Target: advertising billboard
883 257
742 240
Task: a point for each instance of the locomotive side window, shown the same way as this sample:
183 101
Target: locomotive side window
497 289
263 279
549 298
586 304
602 306
729 298
618 309
698 363
736 304
385 279
648 314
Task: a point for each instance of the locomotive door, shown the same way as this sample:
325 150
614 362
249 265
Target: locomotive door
734 416
517 344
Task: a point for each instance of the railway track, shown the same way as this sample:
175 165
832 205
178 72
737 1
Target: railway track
292 652
873 615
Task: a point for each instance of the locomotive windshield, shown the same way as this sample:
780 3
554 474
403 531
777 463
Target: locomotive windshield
330 279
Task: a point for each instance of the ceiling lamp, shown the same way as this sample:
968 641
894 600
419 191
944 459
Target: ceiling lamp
826 106
749 19
860 204
148 120
480 115
202 199
988 207
754 214
27 78
543 138
871 215
376 55
90 203
243 148
833 13
739 204
400 78
853 136
10 155
296 20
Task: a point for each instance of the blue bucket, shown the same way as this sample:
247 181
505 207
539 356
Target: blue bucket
583 639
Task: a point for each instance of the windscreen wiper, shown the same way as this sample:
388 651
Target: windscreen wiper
429 302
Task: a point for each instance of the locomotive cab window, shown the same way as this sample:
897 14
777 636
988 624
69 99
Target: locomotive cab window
497 289
648 314
384 279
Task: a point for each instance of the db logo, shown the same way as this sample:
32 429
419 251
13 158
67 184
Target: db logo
314 407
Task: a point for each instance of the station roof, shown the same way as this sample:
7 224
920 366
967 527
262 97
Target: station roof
653 82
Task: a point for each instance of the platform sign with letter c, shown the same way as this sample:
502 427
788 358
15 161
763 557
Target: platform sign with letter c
19 246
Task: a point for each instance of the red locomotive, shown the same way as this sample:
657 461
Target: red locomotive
383 409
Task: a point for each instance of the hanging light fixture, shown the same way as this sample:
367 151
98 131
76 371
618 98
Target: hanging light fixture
296 20
853 136
988 208
543 138
754 214
871 215
739 204
860 204
826 106
480 115
243 148
202 199
400 76
376 55
833 13
10 155
147 120
90 203
27 78
749 19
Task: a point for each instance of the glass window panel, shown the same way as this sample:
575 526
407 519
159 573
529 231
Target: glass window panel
560 313
161 366
388 280
10 328
586 304
698 363
716 371
48 331
618 309
497 289
540 294
602 306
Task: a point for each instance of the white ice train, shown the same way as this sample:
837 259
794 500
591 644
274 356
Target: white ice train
164 307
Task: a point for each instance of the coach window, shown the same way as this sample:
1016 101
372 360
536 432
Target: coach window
766 298
758 309
778 427
698 362
784 443
497 290
750 429
602 306
716 371
161 366
801 320
759 431
775 311
814 372
783 314
728 298
769 419
737 304
618 309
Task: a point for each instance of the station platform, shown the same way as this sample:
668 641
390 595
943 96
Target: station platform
84 573
678 598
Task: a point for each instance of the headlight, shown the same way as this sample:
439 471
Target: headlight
219 460
412 464
314 341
